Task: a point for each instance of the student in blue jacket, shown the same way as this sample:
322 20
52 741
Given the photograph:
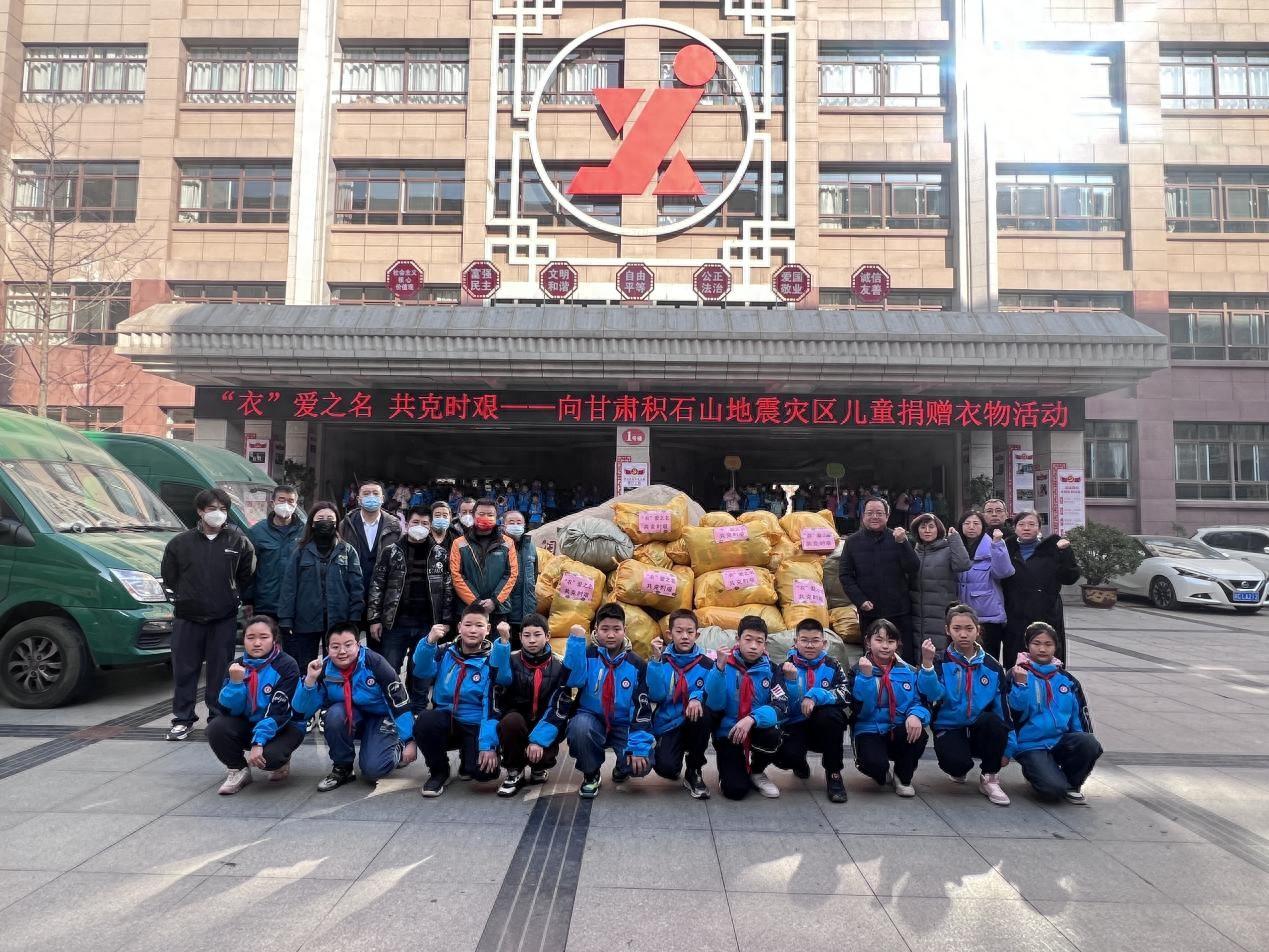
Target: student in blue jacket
748 700
366 703
968 693
676 685
818 721
461 717
1056 746
612 708
256 701
889 718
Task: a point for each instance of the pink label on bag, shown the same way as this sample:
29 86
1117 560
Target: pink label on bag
818 540
807 592
652 521
734 579
656 582
577 588
731 533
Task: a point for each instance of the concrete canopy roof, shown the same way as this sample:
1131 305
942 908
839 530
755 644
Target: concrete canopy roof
644 348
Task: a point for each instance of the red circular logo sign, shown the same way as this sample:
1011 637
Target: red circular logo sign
558 280
711 282
791 283
635 281
870 284
481 280
404 279
633 437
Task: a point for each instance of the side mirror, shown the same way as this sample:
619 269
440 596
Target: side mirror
1265 550
14 533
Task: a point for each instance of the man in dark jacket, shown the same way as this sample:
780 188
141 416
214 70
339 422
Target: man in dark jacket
204 571
877 565
369 530
274 539
485 565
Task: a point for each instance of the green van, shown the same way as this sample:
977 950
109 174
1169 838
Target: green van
178 470
81 542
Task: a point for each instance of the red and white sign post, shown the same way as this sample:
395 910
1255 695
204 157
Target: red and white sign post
481 280
792 283
711 282
870 284
635 281
404 279
558 280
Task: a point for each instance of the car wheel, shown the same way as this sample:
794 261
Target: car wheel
43 663
1247 609
1162 594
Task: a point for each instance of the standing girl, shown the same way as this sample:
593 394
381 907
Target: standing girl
890 720
980 586
322 585
933 585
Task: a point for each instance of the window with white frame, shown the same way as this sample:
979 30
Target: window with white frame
428 75
241 74
1222 460
1108 458
880 79
84 73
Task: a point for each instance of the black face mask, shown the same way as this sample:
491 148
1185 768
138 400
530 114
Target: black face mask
324 531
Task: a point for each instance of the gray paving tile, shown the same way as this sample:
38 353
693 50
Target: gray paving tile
872 809
16 883
1057 870
664 806
15 745
927 866
40 789
656 859
1110 816
788 862
969 813
445 852
260 798
372 917
9 820
1246 925
954 925
1110 927
1185 871
467 803
812 923
140 793
113 756
318 849
393 798
795 811
653 919
181 845
64 840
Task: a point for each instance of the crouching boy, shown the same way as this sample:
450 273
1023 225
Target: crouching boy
676 685
525 682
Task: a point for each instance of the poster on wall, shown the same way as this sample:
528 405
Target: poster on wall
257 451
1042 498
1021 480
1068 499
633 474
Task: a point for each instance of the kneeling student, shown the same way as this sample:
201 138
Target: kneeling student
676 685
524 684
256 705
366 704
748 703
968 691
1056 746
461 717
889 718
818 721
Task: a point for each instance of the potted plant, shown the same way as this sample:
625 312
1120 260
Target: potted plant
1103 552
981 488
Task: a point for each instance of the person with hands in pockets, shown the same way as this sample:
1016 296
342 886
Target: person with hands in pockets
676 685
889 718
525 682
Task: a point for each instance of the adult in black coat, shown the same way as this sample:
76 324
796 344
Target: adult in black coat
1034 591
876 569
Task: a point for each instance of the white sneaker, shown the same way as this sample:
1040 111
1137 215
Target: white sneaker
235 781
904 789
1075 796
989 787
762 783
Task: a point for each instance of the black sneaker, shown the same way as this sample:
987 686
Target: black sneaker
463 775
511 784
836 789
619 775
802 771
590 786
537 776
435 785
339 775
695 785
179 731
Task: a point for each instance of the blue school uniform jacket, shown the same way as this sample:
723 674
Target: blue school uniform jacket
871 699
377 692
822 680
264 696
773 697
958 691
1049 705
461 684
586 669
672 682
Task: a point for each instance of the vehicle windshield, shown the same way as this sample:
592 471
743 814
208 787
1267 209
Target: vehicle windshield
1181 549
252 499
79 497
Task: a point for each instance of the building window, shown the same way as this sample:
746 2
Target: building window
743 204
187 292
1214 79
235 194
843 299
416 195
1222 460
536 202
379 294
180 423
1046 302
1108 459
257 74
721 90
1219 328
430 75
572 84
84 418
1057 201
1207 202
866 199
880 79
75 191
84 74
76 313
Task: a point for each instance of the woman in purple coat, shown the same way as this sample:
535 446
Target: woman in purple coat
980 585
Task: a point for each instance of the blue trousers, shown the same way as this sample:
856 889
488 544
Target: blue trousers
377 734
1063 767
587 741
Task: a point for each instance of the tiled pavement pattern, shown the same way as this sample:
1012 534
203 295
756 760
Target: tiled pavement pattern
114 839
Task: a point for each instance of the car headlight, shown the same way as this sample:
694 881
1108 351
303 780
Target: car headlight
142 586
1190 573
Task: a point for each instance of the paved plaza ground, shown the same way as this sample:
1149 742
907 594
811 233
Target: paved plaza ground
114 839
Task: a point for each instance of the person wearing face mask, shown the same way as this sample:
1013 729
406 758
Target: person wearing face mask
524 597
1042 565
369 531
274 539
443 529
466 514
485 564
322 585
204 570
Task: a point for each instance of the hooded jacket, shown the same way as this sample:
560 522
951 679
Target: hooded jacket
377 692
205 577
264 696
524 683
678 677
274 546
484 567
773 697
959 690
871 699
980 586
877 568
390 575
461 684
1049 705
934 584
317 592
524 597
822 680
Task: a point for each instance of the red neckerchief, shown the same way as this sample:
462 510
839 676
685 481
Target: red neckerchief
809 667
885 687
969 679
608 694
681 692
348 673
538 667
253 674
1047 679
745 701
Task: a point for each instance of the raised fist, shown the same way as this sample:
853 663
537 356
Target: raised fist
997 534
504 631
658 647
865 667
901 535
577 631
927 653
790 670
1064 543
237 672
436 634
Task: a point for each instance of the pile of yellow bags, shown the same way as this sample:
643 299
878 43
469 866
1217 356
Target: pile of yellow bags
651 523
733 587
579 592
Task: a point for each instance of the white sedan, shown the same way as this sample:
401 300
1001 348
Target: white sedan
1185 571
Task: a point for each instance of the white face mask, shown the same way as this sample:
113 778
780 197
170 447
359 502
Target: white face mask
417 533
284 510
215 518
467 519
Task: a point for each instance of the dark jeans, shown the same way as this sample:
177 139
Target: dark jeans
875 752
587 741
907 644
985 741
733 771
823 732
687 741
993 638
437 733
377 734
1065 767
303 647
398 644
193 645
513 741
230 736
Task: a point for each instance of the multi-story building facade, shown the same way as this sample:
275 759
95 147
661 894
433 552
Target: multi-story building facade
1071 198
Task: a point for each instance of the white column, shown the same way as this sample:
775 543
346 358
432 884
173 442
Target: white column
975 171
297 442
976 460
634 447
223 434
